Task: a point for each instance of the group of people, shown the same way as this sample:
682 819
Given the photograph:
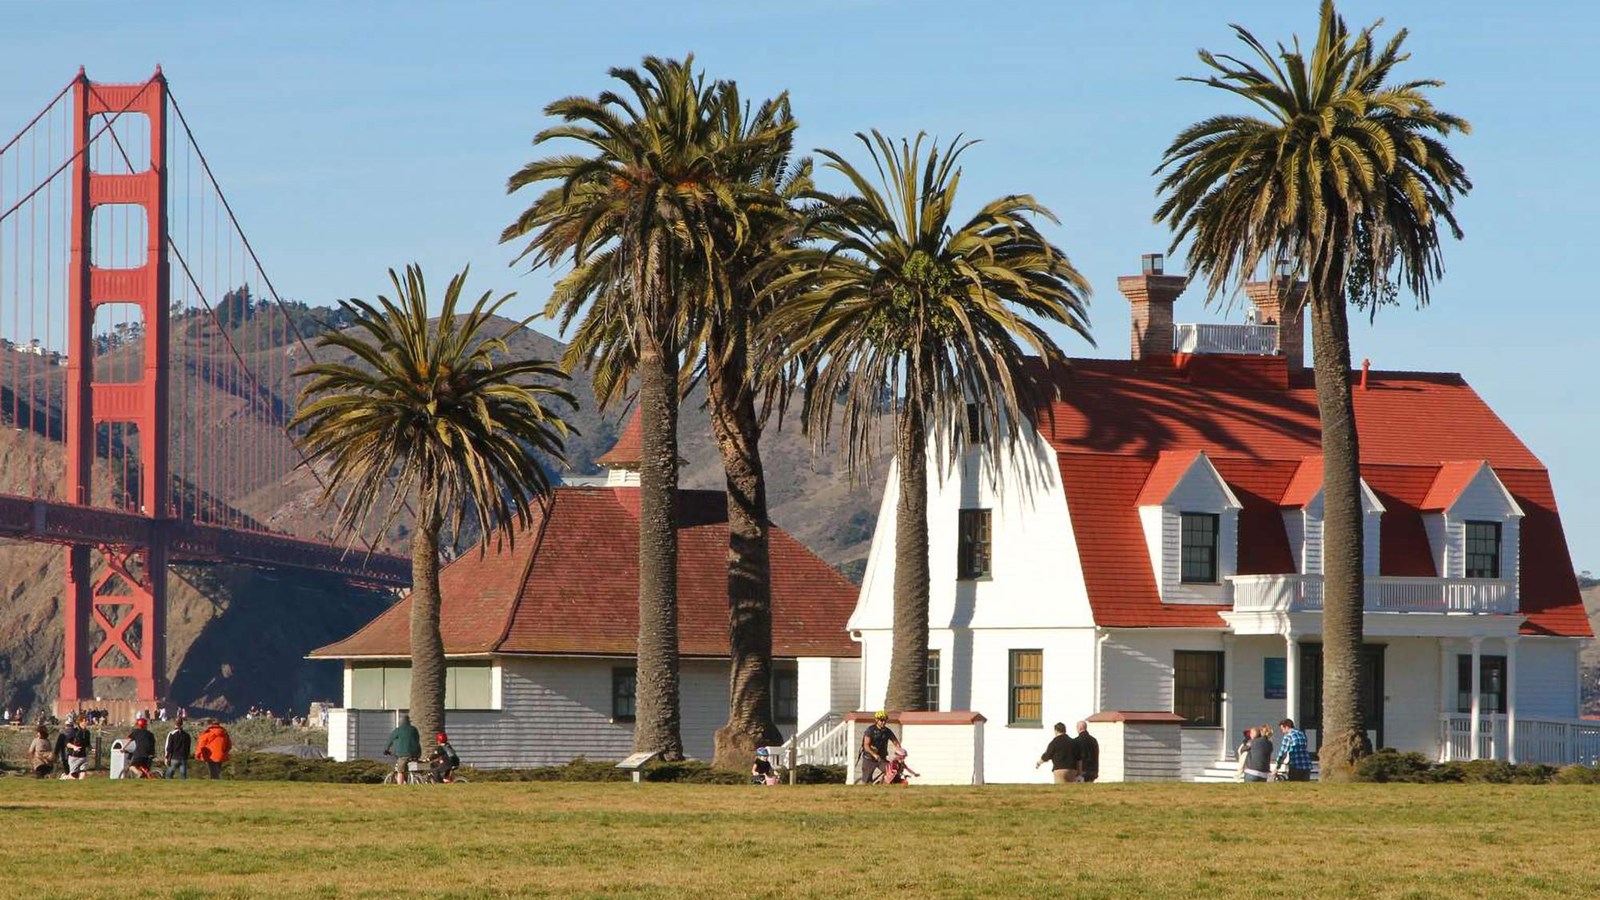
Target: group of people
1258 763
405 745
72 744
1072 758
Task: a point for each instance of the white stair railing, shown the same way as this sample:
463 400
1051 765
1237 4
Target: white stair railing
824 743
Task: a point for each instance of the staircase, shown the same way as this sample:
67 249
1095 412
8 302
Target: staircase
1223 770
824 743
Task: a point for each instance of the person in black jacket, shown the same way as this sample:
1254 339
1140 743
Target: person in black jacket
1088 753
176 752
141 749
1062 755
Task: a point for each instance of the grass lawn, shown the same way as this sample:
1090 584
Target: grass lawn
202 839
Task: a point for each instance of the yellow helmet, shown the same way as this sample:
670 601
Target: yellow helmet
881 714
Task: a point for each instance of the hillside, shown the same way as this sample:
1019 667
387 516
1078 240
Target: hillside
237 635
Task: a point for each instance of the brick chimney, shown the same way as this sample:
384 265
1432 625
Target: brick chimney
1151 293
1281 302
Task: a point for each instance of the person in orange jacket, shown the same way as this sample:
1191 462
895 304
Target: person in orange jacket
213 746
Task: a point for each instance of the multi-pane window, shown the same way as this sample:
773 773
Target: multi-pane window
1197 686
1199 547
1491 684
933 679
623 684
1027 687
973 547
380 686
1483 549
785 695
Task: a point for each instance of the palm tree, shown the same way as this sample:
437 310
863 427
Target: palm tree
636 218
745 379
1348 180
434 411
901 301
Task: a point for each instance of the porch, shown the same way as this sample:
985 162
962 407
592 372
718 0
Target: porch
1303 593
1552 742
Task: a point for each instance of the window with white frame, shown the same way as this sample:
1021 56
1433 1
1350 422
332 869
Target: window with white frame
1483 549
1198 545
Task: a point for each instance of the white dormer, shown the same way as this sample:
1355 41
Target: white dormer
1303 520
1191 527
1473 522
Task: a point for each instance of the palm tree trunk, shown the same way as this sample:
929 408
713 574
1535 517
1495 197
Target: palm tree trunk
738 433
908 662
427 645
657 721
1343 734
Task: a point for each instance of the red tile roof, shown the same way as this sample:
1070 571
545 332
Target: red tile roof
629 448
1306 484
571 586
1116 423
1169 469
1452 479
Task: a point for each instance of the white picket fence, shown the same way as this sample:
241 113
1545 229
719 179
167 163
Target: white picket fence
1555 742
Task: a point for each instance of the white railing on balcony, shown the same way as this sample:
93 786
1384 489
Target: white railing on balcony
825 743
1302 593
1211 337
1554 742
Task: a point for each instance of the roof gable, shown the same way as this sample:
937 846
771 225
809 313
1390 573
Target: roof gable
1305 489
1173 469
1455 478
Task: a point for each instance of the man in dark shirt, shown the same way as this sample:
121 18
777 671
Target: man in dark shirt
1062 755
141 749
176 752
1088 752
875 744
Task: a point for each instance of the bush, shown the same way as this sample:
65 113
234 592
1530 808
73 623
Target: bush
1392 766
1414 768
248 765
1577 775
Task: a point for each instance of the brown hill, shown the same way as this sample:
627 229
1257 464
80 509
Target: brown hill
236 635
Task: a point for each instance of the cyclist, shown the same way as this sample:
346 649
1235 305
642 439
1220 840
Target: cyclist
405 746
443 759
141 748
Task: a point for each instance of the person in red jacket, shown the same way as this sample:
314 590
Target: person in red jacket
213 746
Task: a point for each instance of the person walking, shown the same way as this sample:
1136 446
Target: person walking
141 748
1088 753
1294 756
405 745
1062 755
1257 758
875 743
213 747
40 752
74 741
176 752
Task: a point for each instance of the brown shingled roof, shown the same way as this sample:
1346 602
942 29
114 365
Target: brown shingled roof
629 448
571 586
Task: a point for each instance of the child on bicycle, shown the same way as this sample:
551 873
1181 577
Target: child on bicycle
141 749
443 760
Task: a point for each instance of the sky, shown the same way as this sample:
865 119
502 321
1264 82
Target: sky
356 136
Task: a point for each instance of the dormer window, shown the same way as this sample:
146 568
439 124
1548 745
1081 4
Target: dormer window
1198 535
1483 550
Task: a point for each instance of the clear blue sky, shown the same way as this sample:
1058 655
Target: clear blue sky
354 136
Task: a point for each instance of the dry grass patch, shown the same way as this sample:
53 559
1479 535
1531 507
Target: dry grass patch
204 839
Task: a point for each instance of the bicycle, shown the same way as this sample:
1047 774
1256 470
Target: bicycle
417 773
141 771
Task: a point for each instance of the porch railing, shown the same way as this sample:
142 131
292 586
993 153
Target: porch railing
1555 742
1215 337
826 742
1303 593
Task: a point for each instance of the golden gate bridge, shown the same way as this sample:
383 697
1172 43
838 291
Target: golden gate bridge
146 377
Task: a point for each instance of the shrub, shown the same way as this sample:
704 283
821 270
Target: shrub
1577 775
1392 766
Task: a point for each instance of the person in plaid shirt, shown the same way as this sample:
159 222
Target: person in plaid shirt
1294 758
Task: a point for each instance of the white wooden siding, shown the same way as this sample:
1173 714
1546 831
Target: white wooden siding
1201 490
1547 677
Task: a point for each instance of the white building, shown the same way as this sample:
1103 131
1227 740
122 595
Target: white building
540 639
1156 547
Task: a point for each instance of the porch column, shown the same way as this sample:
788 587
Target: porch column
1291 674
1511 699
1447 704
1227 696
1477 676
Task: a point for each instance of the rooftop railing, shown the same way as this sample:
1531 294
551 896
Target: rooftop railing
1211 337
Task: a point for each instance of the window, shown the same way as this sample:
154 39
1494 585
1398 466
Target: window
785 695
933 680
466 686
972 553
1483 549
1027 687
977 433
623 684
1491 684
1199 548
1197 687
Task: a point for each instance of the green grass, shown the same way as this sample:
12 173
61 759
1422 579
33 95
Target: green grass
203 839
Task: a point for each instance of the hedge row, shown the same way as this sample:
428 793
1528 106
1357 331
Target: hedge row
1391 766
249 766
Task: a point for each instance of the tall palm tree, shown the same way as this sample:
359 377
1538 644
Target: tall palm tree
1346 175
903 301
745 380
635 215
434 410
